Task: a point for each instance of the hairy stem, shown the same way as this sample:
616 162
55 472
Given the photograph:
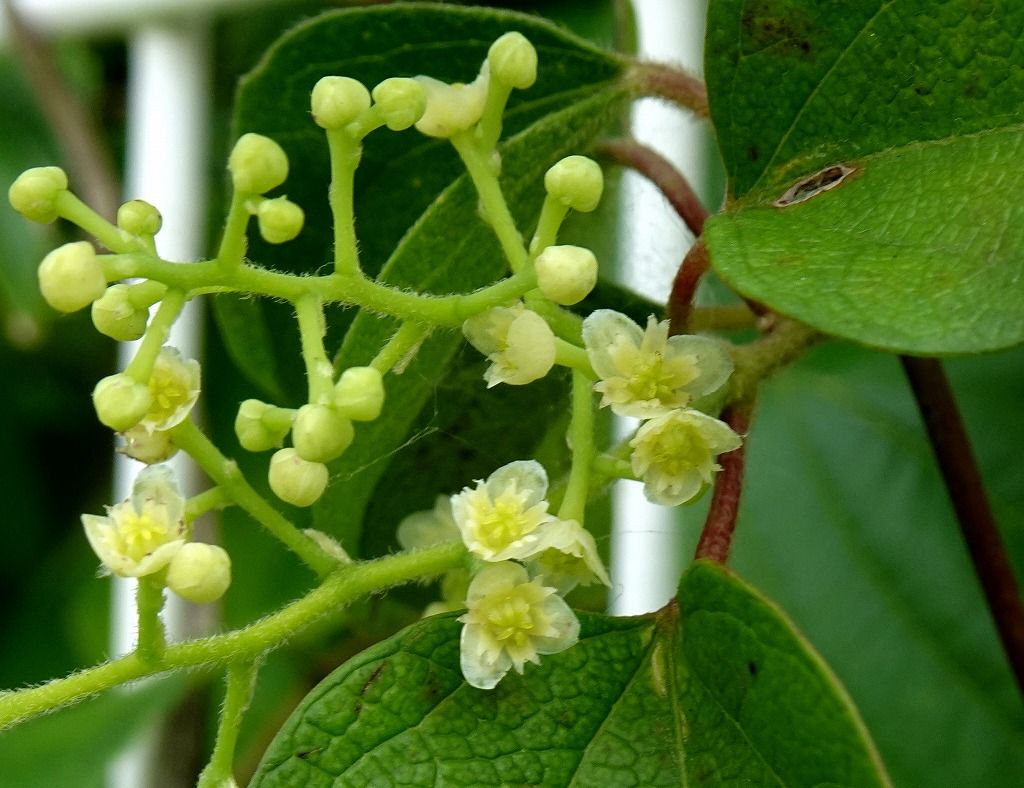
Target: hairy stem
952 448
342 586
668 82
319 371
581 438
149 601
664 175
716 538
241 681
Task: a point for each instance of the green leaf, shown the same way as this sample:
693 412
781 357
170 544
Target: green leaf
918 248
416 212
846 524
718 688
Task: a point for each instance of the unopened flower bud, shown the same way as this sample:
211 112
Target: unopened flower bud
359 393
260 426
452 108
401 102
513 61
148 447
199 572
34 194
121 402
337 101
566 274
321 433
257 164
295 480
138 217
577 181
115 316
71 277
279 220
329 545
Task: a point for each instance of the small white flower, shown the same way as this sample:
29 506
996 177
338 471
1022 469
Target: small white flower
569 557
501 518
675 454
141 535
174 386
645 373
511 620
519 344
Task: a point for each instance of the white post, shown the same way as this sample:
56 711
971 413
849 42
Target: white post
168 96
646 541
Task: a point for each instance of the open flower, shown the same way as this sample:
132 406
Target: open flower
675 454
451 108
501 518
511 620
568 557
174 386
141 535
430 527
519 344
645 373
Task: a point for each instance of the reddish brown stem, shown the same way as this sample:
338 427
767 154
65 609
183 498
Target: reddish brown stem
668 82
966 489
664 175
684 287
716 538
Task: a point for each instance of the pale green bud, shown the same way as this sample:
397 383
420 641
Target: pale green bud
329 545
138 217
321 433
295 480
71 277
359 393
199 572
338 101
115 316
513 61
260 426
452 108
577 182
401 102
148 447
279 219
257 164
121 402
34 194
566 274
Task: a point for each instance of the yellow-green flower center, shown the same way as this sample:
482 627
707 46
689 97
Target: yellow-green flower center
170 392
505 519
676 451
141 534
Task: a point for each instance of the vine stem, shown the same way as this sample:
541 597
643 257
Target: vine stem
952 448
684 287
673 84
720 525
339 588
664 175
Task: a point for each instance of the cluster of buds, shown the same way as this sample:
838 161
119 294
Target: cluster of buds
320 432
528 559
146 536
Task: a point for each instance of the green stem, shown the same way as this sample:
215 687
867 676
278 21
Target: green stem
78 213
339 588
233 242
319 370
581 438
144 294
552 214
149 601
140 368
607 466
576 358
756 361
488 130
241 681
492 202
345 152
206 501
408 336
190 439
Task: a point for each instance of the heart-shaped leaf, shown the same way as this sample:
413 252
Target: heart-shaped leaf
716 688
872 153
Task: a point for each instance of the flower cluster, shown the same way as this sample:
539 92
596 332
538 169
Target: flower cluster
647 374
146 535
529 559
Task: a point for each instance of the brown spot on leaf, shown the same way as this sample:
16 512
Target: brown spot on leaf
813 185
